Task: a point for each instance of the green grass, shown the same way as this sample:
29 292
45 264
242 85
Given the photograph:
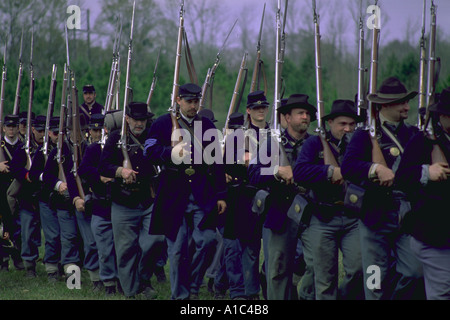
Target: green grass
14 285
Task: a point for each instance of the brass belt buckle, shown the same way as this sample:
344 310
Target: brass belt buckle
189 171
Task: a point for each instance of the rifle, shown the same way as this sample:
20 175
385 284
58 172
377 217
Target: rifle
210 74
258 62
234 105
377 155
328 156
152 86
77 137
437 155
422 94
275 125
176 75
51 103
2 101
61 128
123 135
113 72
19 79
361 99
30 106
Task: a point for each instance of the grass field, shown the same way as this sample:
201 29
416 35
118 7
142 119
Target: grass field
14 285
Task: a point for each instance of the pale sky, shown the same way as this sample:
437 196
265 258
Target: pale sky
398 17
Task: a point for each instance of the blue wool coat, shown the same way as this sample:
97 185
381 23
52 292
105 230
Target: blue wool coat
356 165
428 220
207 184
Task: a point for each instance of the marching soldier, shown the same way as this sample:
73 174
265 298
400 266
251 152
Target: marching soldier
425 178
27 197
199 190
280 232
332 226
136 250
383 244
65 198
11 224
48 215
99 204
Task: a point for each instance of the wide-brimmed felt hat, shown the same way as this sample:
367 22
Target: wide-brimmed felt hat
138 111
345 108
391 91
190 91
442 106
207 114
257 99
298 101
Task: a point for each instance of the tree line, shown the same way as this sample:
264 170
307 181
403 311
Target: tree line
156 27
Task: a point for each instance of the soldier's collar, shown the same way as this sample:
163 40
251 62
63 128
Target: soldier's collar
188 120
12 142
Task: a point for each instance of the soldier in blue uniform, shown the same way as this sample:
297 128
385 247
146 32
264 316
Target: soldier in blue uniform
90 106
280 232
23 123
27 197
66 199
99 205
11 224
48 216
425 179
332 227
131 195
190 193
383 244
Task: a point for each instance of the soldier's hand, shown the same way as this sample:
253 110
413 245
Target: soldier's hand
129 175
247 158
4 168
105 179
228 178
439 171
79 205
5 235
337 177
221 206
62 188
179 153
385 175
286 174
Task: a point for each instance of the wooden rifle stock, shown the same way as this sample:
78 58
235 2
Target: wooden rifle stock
51 104
422 93
124 131
328 156
61 127
19 80
377 154
258 63
210 75
30 106
176 76
77 137
234 98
